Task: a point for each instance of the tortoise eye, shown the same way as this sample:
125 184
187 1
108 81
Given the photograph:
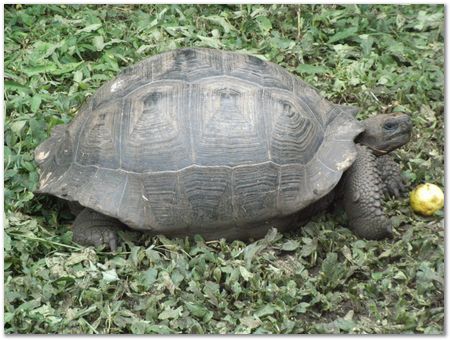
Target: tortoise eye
390 126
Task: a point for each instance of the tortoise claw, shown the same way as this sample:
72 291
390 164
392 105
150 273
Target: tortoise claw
394 187
103 236
94 229
391 177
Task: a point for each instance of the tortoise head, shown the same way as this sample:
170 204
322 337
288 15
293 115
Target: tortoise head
386 132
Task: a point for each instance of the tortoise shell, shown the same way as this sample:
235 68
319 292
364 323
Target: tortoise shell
200 141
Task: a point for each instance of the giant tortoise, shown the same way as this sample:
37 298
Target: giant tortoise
221 144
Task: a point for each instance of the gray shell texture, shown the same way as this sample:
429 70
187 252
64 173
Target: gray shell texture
200 141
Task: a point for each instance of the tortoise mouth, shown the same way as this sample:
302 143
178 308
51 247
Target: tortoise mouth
389 145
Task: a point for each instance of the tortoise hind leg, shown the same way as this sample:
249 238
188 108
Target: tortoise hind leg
75 207
363 191
91 228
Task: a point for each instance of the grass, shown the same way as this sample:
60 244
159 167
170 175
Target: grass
320 279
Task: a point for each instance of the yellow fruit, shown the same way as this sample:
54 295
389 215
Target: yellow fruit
426 199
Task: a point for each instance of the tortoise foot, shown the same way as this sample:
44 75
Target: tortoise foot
391 176
91 228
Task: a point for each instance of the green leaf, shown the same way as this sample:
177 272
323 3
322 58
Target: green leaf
159 329
250 252
376 276
152 255
65 280
28 305
250 322
150 276
110 276
139 326
36 103
167 282
272 236
333 270
400 276
65 68
76 257
302 307
18 126
13 85
426 20
266 310
90 28
246 275
227 27
44 49
78 76
31 71
196 309
6 242
7 317
26 19
210 42
290 245
309 247
311 69
366 43
341 35
264 23
98 42
345 325
170 313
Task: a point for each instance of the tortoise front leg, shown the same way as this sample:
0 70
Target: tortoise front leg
91 228
363 190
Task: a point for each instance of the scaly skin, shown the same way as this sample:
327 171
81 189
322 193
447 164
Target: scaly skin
363 191
391 175
91 228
